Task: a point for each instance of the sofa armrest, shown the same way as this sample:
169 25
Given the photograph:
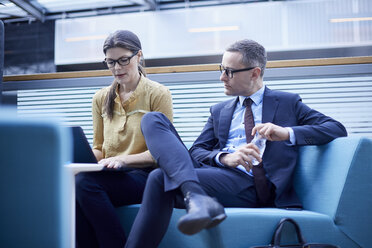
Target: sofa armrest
335 179
353 214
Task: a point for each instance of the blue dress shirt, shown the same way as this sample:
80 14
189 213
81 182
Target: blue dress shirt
236 136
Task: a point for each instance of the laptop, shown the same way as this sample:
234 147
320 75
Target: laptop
82 151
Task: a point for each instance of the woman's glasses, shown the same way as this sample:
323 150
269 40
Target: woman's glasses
123 61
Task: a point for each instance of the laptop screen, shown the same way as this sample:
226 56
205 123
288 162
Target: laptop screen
82 151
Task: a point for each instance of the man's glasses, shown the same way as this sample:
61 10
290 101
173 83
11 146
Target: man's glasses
230 72
110 63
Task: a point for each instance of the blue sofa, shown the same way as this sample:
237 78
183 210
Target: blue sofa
334 182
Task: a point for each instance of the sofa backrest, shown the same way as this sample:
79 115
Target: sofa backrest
336 179
35 204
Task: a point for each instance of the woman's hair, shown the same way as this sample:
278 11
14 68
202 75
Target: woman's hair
127 40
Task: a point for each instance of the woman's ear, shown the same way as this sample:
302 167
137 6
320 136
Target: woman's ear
139 56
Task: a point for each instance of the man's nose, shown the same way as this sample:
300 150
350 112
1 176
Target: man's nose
223 76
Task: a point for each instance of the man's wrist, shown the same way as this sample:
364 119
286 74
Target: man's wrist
218 157
222 161
292 136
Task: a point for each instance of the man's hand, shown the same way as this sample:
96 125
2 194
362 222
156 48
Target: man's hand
116 162
242 156
271 132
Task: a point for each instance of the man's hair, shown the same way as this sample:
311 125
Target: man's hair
253 54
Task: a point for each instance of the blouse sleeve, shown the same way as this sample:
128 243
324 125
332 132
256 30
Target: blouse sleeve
162 102
97 121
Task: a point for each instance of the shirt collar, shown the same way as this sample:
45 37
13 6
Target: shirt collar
138 88
256 97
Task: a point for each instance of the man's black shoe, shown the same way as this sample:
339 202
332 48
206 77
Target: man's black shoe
202 212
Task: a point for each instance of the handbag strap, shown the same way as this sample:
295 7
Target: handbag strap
275 241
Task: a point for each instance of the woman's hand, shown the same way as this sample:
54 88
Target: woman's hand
139 160
116 162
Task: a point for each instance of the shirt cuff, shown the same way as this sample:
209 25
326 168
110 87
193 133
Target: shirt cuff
292 136
217 158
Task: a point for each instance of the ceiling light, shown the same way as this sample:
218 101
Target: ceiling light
354 19
84 38
213 29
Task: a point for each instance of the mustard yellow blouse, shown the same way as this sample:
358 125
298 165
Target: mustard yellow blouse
122 135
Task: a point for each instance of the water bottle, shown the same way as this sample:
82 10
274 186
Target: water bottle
260 142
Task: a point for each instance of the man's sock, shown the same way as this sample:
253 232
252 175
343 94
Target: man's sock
192 187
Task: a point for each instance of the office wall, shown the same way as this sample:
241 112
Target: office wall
207 31
29 48
326 87
289 29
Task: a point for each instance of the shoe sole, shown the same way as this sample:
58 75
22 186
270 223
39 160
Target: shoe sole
216 220
194 226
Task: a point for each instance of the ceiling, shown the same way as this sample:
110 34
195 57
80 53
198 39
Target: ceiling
42 10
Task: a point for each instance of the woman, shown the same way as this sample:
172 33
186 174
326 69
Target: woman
118 144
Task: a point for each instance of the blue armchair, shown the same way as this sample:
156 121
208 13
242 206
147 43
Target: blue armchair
334 182
35 209
1 58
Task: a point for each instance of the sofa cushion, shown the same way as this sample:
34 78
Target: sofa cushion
245 227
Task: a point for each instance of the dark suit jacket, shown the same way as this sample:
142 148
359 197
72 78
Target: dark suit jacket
279 159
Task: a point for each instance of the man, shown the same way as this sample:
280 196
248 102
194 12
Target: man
219 164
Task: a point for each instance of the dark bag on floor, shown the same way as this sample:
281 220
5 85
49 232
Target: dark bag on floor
275 241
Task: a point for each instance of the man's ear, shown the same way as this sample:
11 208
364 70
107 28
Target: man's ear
256 73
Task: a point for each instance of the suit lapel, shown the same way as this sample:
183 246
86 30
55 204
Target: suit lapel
270 105
225 121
